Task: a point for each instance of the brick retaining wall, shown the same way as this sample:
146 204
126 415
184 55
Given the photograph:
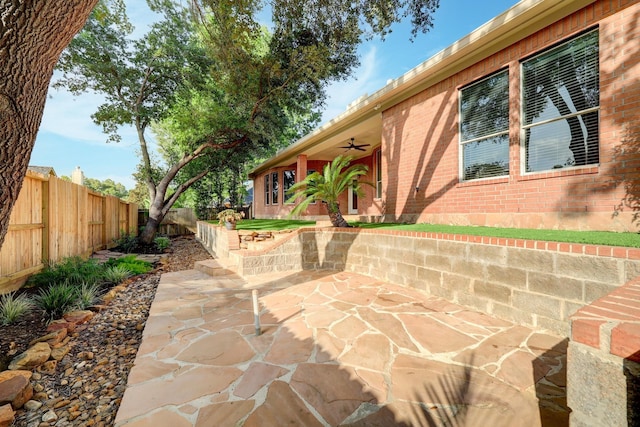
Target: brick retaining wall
603 373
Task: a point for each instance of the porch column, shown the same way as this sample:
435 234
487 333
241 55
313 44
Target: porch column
301 167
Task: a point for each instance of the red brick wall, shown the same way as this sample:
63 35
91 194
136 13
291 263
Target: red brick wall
421 148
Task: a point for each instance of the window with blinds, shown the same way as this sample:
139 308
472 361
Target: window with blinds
560 106
267 193
484 127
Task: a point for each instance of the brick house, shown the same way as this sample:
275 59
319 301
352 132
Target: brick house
532 120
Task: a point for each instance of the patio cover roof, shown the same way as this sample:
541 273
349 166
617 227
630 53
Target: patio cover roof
363 118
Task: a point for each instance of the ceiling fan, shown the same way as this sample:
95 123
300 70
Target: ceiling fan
354 146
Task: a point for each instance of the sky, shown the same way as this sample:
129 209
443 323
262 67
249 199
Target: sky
68 137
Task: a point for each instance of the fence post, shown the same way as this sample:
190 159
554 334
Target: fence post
44 188
104 222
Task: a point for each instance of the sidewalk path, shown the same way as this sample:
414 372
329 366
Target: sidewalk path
337 349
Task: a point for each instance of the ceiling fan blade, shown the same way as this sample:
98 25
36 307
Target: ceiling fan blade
361 145
348 147
358 148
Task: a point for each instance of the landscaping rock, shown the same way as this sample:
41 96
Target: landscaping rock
52 338
32 405
78 317
59 353
33 357
6 416
15 388
61 324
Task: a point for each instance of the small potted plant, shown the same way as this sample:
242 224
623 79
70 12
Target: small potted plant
229 217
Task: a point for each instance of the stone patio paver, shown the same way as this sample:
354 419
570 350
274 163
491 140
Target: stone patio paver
337 349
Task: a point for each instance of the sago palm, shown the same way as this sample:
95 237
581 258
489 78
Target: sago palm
335 179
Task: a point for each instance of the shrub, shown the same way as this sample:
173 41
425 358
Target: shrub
57 299
116 274
87 295
13 307
73 270
162 243
127 243
131 263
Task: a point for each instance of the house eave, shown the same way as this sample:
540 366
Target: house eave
520 21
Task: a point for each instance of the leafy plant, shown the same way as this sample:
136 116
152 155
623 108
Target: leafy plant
57 299
13 307
73 270
116 274
127 242
229 215
131 263
327 187
87 295
162 243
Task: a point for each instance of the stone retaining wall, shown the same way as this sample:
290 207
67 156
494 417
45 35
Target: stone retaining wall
591 293
530 282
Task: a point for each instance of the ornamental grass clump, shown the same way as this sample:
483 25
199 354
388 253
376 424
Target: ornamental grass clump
13 306
131 263
116 274
57 299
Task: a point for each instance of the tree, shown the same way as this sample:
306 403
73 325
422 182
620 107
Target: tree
108 187
327 187
32 35
141 80
281 75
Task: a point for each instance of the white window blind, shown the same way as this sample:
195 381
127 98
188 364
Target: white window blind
484 127
560 105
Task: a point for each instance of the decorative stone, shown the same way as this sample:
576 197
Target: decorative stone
32 405
6 416
78 317
61 324
59 353
15 388
49 417
32 357
48 367
52 338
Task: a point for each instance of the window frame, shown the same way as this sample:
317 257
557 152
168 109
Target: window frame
485 137
378 171
275 188
285 188
524 127
267 186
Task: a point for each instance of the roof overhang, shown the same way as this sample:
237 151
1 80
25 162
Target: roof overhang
363 119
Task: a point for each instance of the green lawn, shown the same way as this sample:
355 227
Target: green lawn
586 237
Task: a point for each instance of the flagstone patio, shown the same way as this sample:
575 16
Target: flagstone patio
336 349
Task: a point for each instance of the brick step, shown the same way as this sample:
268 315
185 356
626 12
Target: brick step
216 267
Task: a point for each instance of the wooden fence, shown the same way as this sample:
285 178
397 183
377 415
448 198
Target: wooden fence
54 219
177 222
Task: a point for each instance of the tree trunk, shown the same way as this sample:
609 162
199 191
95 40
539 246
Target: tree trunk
156 215
33 33
337 220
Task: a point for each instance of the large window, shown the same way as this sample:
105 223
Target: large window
274 188
378 157
484 127
560 103
288 179
267 193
